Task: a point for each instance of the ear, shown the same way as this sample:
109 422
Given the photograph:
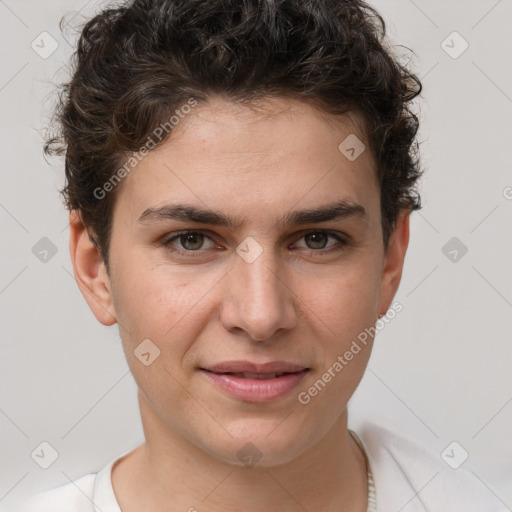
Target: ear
90 272
394 261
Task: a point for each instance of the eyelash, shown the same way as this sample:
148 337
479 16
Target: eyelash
342 242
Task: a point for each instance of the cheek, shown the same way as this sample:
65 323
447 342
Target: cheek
342 313
166 307
343 301
157 302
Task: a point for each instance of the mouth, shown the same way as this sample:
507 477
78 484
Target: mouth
248 367
255 383
261 376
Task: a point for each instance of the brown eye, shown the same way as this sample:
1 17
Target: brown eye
189 242
192 241
317 240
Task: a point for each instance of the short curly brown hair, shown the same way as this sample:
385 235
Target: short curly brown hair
137 63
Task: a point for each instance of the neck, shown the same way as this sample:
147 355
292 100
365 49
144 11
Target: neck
176 475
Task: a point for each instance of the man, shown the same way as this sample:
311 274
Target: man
240 176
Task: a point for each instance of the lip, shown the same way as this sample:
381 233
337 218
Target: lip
250 367
253 389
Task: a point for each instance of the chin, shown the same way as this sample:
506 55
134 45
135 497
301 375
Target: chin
255 446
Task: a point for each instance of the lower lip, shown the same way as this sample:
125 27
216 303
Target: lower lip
256 390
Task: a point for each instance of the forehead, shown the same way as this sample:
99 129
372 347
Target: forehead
278 127
244 159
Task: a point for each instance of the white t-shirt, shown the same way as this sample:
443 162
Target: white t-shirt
407 477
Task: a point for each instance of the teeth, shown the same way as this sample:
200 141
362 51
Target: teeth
258 375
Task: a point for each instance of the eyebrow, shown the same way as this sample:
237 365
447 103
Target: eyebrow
344 209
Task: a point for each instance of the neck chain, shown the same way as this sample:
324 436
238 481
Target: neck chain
372 499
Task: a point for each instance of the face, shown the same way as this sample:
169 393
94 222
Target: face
282 277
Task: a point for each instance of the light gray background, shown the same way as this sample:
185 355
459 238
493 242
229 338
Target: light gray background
439 372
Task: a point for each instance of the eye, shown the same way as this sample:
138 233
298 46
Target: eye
318 240
190 241
195 243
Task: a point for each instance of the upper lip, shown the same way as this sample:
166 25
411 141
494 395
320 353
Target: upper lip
249 367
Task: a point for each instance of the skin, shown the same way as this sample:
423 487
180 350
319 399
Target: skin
296 302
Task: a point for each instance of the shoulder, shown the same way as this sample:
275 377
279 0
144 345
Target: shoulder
411 477
76 496
89 493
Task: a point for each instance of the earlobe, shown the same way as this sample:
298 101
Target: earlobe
394 261
90 272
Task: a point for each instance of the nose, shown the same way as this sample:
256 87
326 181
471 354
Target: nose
257 298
